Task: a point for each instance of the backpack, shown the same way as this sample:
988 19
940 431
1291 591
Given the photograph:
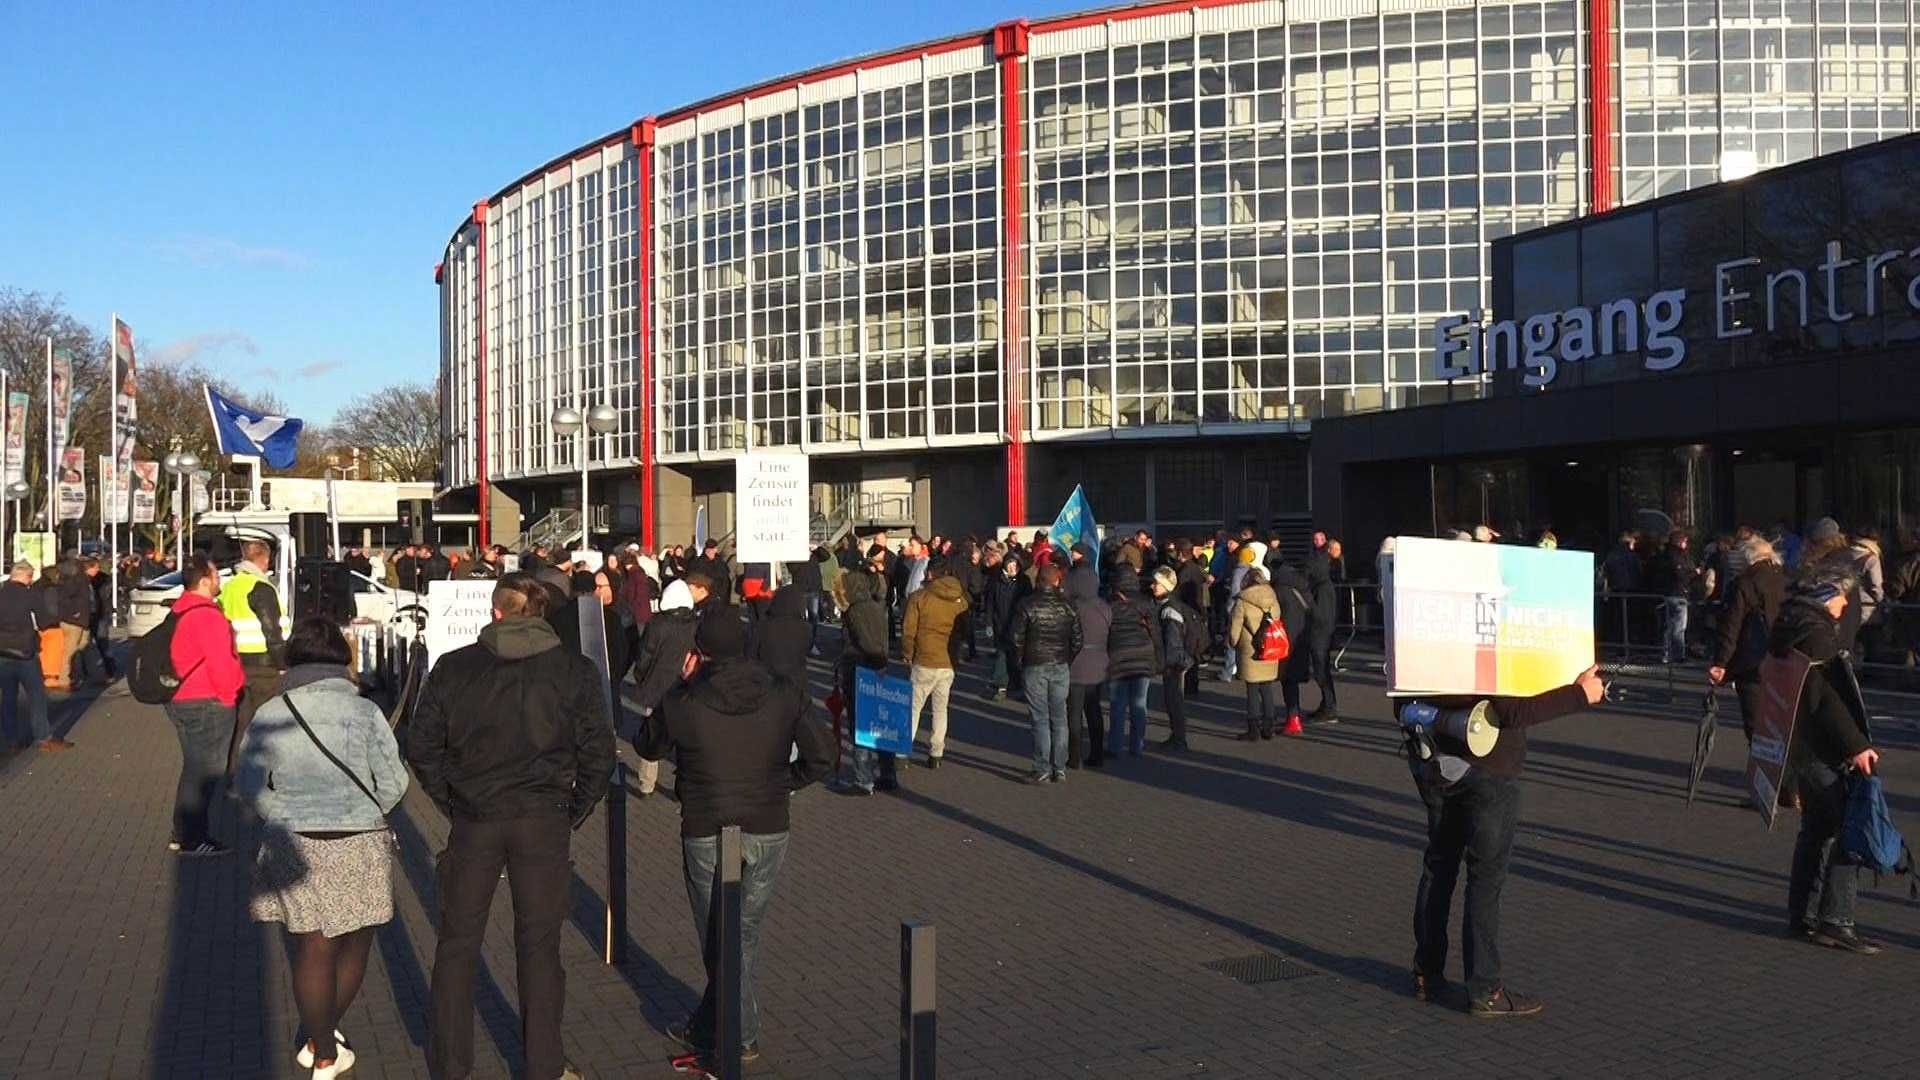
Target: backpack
150 675
1868 836
1193 632
1270 642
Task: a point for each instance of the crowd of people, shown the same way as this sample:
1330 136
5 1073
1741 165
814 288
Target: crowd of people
511 740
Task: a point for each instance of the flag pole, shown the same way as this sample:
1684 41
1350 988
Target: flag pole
113 455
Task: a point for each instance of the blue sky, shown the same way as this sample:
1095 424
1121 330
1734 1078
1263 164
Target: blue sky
266 188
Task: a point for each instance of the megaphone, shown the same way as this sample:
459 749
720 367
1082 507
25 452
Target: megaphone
1473 726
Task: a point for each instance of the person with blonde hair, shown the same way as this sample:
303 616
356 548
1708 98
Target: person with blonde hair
1753 605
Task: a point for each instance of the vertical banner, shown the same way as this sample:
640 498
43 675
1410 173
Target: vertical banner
16 467
113 493
146 491
126 406
60 399
71 491
771 508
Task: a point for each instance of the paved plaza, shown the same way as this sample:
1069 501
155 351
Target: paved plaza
1076 923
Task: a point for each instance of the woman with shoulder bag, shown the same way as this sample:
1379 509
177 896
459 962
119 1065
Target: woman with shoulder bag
320 766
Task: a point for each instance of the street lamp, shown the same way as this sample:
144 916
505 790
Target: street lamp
600 419
15 492
181 465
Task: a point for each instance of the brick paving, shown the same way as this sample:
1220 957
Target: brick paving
1075 922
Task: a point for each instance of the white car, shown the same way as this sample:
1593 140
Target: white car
151 601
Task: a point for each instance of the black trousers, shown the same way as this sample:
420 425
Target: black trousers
1260 707
1323 676
534 852
1086 730
1173 688
1471 821
1749 693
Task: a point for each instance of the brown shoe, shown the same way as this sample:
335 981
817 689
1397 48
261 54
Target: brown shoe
1428 988
53 744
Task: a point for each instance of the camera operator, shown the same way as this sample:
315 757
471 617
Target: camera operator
1473 807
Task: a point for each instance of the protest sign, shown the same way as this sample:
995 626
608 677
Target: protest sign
456 613
882 712
771 507
1487 618
1781 680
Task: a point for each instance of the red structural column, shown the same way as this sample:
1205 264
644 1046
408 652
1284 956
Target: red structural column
643 141
485 531
1009 47
1600 105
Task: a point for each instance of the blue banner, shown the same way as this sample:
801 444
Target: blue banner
882 712
1074 524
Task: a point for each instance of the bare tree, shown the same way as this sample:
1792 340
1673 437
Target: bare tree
397 428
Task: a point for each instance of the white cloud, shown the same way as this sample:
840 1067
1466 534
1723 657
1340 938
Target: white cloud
213 251
202 347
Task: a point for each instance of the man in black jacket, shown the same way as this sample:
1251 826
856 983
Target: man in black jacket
1046 637
1753 604
75 597
1473 809
23 613
1829 738
662 663
1323 569
511 741
733 728
863 645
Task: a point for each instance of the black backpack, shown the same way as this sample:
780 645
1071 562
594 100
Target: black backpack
1193 632
150 675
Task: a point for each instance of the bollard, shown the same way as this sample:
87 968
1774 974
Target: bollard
918 1022
616 943
725 933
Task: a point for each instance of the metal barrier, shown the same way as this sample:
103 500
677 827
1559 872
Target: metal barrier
614 949
919 1026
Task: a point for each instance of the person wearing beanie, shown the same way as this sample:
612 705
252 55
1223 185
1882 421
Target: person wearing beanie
1255 605
734 728
1181 630
1133 658
664 647
1830 739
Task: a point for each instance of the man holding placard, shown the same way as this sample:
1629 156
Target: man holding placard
1485 642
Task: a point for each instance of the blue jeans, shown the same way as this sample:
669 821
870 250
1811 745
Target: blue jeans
1047 711
1127 719
761 856
205 728
1675 651
14 675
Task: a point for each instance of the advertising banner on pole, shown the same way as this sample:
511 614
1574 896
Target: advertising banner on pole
16 467
771 508
60 398
113 493
202 495
71 491
40 549
126 393
146 491
882 711
1487 618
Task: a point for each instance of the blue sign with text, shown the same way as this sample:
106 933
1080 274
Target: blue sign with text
882 712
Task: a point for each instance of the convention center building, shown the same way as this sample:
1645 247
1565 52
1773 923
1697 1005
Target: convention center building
1193 256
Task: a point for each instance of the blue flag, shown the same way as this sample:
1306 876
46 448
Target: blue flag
1074 524
240 430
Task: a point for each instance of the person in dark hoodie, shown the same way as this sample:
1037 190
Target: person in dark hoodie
512 742
783 638
1087 675
1005 589
864 645
1133 659
734 727
660 663
1830 738
803 577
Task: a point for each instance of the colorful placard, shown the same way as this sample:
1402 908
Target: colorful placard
1487 618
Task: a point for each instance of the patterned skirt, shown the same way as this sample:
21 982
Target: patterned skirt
333 886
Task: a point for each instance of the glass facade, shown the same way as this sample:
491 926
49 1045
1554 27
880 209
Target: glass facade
1239 219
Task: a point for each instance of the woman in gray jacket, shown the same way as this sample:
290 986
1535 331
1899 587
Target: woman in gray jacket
320 767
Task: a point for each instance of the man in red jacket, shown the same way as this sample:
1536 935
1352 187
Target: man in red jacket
204 708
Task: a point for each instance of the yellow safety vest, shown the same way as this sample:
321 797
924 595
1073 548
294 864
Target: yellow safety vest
248 635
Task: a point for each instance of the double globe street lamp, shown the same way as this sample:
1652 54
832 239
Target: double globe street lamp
601 420
181 465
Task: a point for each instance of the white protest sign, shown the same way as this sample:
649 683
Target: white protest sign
589 558
770 498
456 613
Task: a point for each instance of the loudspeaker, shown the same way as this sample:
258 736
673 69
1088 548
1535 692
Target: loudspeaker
416 516
324 588
1473 726
310 536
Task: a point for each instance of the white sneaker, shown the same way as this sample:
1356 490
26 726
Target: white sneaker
305 1057
339 1067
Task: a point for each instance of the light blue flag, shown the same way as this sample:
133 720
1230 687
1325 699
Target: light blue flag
1074 524
699 527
